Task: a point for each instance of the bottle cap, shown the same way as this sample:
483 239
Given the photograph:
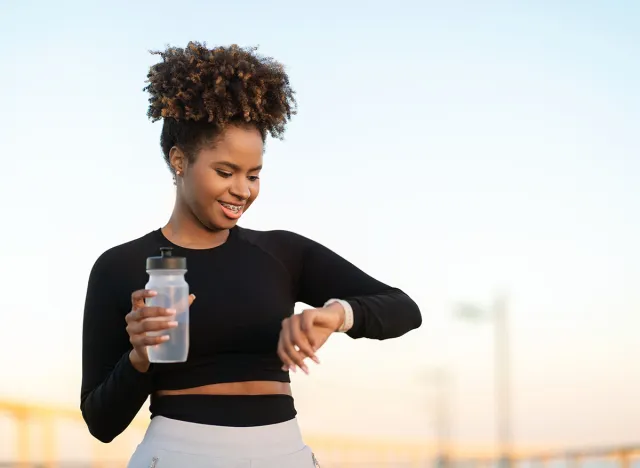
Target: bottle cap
166 261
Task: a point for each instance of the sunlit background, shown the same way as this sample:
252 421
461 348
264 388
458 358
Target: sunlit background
457 150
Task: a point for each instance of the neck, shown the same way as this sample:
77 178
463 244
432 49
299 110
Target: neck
186 230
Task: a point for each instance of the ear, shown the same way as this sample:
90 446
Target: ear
178 160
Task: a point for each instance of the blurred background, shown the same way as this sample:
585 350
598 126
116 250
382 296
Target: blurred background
482 156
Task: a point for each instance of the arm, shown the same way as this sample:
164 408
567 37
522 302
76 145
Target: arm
113 391
379 311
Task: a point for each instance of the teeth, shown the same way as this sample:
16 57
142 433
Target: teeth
234 208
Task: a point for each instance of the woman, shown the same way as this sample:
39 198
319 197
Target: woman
230 403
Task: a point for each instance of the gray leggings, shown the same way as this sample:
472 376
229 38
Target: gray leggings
177 444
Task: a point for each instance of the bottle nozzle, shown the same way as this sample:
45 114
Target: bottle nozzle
166 261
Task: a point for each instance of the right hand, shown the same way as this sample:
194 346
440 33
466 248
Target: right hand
137 326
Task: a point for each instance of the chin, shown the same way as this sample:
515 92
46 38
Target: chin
215 224
220 224
229 223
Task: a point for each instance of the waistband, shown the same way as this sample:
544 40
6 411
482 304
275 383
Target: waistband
223 441
225 410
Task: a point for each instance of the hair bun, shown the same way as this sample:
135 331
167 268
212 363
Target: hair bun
220 86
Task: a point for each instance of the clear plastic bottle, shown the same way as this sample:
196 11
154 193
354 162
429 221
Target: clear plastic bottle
166 277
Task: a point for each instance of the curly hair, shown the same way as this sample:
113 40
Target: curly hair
199 91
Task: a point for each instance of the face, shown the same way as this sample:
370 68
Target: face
223 181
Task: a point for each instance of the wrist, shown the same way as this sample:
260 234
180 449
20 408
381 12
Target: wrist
140 364
338 310
341 310
345 314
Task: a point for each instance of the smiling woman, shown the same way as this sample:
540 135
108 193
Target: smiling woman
223 181
231 400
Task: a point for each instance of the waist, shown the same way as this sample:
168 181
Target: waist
225 410
233 388
220 441
222 368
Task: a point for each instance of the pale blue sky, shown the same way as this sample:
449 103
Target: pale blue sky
447 149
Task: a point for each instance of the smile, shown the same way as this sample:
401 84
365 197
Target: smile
231 211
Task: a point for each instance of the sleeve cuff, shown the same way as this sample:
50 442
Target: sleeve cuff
357 320
134 374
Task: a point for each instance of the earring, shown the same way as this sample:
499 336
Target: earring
178 172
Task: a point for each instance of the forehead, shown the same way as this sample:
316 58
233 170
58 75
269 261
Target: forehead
241 146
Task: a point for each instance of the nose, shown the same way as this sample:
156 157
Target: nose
240 188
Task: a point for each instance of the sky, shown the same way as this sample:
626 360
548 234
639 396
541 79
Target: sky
451 149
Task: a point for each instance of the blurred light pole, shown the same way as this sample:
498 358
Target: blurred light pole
497 314
440 379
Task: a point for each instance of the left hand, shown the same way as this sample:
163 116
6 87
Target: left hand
303 334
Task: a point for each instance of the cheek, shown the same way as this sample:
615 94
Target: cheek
209 186
255 190
200 190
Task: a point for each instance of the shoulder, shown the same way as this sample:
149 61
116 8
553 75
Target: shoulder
275 238
120 257
288 248
273 235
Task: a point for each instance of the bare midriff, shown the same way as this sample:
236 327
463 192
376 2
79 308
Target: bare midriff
258 387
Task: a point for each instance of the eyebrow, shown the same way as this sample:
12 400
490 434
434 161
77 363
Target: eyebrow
235 167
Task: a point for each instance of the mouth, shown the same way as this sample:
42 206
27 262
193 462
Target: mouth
231 210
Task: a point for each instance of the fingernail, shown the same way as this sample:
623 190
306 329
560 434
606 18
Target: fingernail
305 369
170 311
164 338
292 368
315 359
152 293
285 368
172 324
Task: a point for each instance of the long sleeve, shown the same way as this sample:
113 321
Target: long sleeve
113 391
379 311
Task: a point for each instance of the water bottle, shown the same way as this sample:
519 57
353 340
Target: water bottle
166 278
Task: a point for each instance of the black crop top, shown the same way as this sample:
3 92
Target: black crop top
244 289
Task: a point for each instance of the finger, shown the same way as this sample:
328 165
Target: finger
138 341
287 346
308 318
142 327
192 297
284 357
134 328
287 364
300 339
148 312
293 330
157 325
138 297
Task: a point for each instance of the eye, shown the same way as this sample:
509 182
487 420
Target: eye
223 174
253 178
